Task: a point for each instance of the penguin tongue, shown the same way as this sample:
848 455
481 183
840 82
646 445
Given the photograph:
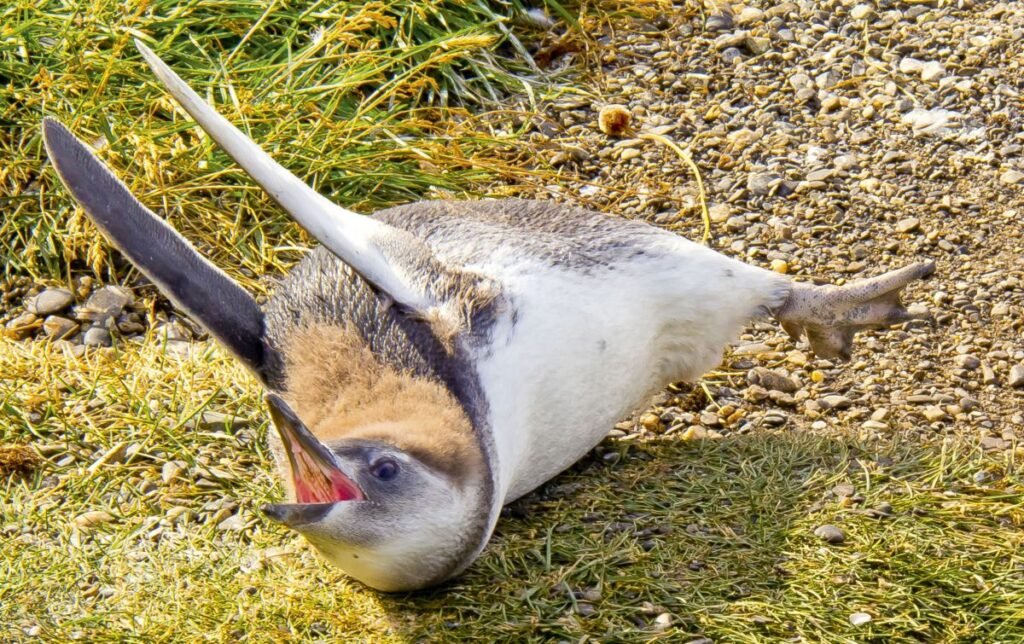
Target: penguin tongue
317 477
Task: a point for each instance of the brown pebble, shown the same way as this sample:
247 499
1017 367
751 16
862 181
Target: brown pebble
17 459
613 120
92 519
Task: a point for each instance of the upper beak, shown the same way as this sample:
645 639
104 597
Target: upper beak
315 471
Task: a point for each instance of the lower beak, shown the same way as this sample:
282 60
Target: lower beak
315 471
296 515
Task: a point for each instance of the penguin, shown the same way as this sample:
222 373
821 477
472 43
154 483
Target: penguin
432 362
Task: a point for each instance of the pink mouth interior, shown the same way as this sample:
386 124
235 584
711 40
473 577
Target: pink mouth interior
315 483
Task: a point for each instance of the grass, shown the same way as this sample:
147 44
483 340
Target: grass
101 540
366 100
716 533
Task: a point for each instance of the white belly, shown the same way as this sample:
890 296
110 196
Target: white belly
583 351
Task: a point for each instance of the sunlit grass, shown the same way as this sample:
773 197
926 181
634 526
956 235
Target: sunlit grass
716 533
367 101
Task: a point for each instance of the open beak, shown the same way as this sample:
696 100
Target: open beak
315 472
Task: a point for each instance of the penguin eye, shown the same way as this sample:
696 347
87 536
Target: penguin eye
384 469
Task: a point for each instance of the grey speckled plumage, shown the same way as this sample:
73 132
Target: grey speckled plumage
470 232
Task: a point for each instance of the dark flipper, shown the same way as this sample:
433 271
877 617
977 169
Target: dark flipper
223 307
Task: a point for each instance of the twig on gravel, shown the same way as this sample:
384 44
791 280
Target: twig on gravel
687 158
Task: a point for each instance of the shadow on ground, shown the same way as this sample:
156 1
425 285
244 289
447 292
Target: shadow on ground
678 529
717 538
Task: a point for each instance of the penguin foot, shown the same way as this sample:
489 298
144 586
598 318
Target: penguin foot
830 315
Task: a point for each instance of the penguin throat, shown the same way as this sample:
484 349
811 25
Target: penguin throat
317 482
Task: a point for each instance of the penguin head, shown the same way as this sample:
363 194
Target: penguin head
387 516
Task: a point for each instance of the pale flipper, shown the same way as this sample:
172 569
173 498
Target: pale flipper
831 315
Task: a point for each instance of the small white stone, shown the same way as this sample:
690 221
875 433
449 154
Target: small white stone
910 65
932 122
1011 177
1016 378
861 12
662 622
749 15
859 619
931 71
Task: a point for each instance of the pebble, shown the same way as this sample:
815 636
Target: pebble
234 523
662 622
758 45
720 22
752 349
883 509
694 432
178 514
771 380
719 213
830 533
931 71
650 421
844 490
761 183
862 12
934 413
859 619
57 327
585 610
749 15
22 326
908 225
910 65
1012 177
1016 379
988 375
96 337
820 174
95 518
104 303
834 401
171 470
50 301
933 122
967 361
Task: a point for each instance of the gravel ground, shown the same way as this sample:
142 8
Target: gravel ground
835 141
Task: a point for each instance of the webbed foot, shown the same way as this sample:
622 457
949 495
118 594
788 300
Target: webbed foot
831 315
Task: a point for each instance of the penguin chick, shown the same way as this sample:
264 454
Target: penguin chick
432 362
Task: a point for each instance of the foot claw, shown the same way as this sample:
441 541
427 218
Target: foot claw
831 315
